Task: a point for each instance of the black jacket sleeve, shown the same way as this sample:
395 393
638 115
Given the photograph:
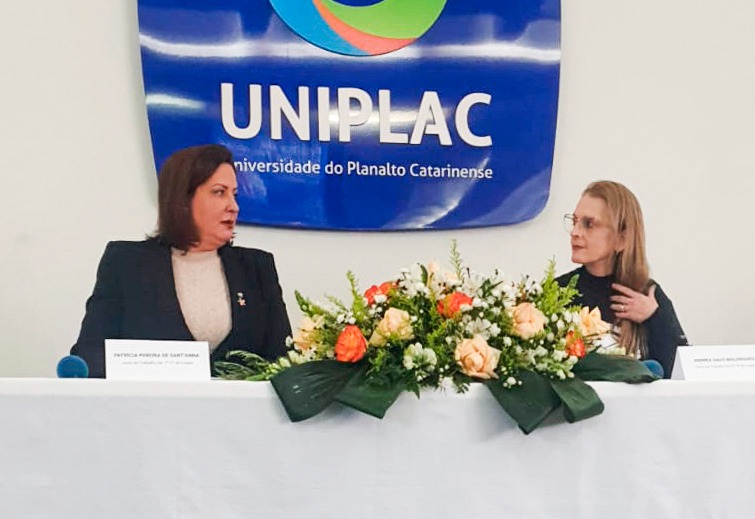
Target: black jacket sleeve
663 332
277 325
103 311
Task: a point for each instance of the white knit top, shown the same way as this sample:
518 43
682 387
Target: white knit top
203 295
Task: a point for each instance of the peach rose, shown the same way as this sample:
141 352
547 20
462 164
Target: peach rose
375 290
476 358
303 339
528 320
395 324
591 322
450 305
351 344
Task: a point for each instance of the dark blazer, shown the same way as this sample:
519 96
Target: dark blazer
135 297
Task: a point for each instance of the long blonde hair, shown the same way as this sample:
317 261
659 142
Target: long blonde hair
630 265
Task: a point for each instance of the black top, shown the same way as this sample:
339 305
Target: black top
135 297
662 330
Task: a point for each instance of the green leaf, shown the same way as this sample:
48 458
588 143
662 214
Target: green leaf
580 400
529 404
308 389
456 261
612 368
233 371
307 306
358 306
368 398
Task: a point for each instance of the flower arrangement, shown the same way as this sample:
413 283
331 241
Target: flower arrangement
436 328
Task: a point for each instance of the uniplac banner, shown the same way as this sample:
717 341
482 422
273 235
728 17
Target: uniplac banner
362 114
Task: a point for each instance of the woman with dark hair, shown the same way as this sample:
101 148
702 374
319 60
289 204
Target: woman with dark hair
608 239
188 282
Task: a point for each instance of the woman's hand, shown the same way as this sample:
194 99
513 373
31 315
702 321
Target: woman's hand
631 305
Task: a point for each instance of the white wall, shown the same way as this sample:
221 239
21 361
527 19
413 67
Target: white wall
657 95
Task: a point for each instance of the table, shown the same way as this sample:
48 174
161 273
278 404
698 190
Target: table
221 449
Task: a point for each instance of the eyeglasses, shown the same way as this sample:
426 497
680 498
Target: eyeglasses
585 224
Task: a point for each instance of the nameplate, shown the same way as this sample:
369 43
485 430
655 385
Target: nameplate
733 362
156 360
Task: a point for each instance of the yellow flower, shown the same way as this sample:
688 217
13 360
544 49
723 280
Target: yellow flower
591 322
303 338
396 324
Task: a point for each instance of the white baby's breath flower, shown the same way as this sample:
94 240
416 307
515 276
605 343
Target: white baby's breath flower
495 330
430 357
380 298
413 349
559 355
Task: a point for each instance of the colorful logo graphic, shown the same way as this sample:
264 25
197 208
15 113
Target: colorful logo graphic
359 27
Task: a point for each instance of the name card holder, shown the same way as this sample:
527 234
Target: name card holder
715 363
127 359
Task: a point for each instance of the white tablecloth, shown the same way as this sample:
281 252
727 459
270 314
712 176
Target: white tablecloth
106 449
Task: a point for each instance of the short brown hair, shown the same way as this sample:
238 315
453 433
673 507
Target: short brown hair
179 177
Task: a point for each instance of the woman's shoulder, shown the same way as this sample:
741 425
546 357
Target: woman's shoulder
247 252
257 258
660 295
126 247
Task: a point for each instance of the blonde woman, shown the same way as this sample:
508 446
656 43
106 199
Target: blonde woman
608 240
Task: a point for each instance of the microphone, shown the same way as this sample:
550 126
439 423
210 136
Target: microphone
72 366
654 367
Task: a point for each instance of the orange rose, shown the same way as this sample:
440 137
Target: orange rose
450 305
575 345
351 344
382 290
476 358
528 320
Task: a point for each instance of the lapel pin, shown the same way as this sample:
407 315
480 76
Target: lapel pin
241 300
